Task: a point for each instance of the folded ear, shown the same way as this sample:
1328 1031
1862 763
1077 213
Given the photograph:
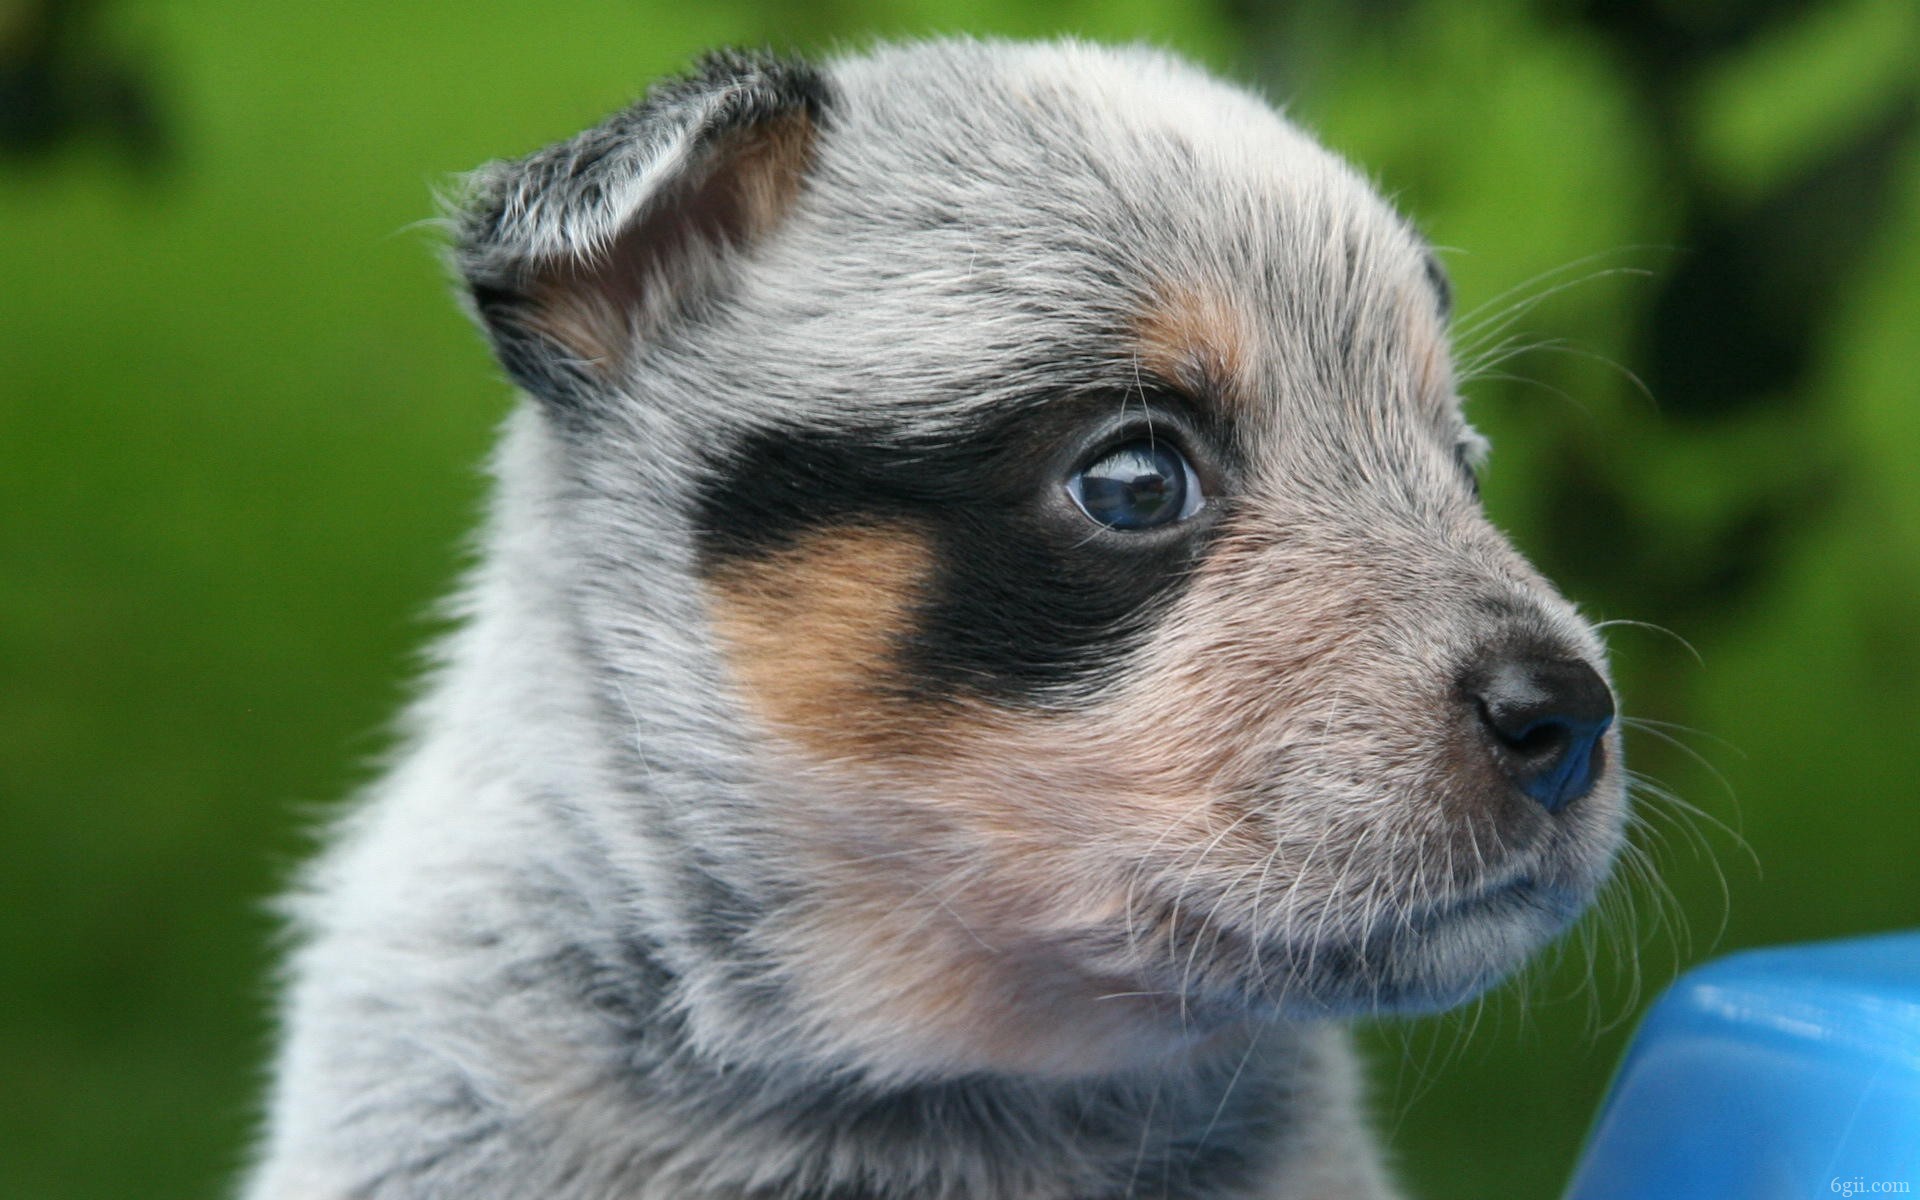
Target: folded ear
573 254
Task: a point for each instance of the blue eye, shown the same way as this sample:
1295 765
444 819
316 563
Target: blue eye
1141 484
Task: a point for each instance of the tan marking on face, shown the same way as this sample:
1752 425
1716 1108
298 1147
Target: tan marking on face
1196 339
593 308
811 633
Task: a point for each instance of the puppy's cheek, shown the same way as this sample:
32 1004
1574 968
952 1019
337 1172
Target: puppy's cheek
812 631
968 866
938 858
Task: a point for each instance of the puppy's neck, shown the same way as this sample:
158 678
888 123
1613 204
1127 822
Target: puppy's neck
1218 1124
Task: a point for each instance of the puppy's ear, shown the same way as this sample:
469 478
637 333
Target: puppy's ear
573 254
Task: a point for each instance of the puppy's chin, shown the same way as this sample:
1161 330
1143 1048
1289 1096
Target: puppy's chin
1404 965
1407 962
1427 962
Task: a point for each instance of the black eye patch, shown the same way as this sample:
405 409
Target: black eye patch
1029 598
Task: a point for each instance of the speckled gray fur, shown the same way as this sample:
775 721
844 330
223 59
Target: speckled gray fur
534 960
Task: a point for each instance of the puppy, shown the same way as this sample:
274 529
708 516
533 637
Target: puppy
986 649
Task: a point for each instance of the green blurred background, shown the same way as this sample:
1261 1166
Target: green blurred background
240 416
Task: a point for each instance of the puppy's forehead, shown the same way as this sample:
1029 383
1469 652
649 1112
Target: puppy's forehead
1004 259
1078 210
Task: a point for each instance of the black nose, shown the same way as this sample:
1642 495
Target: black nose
1544 717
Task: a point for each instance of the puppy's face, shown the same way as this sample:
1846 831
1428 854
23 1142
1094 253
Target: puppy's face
1085 528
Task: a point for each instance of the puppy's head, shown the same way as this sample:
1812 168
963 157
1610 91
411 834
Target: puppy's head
1063 453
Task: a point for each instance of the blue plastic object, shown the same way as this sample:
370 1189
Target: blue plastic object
1789 1073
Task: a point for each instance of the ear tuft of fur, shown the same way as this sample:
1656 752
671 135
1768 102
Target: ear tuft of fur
573 253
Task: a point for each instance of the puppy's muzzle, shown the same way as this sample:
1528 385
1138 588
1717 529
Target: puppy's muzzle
1543 718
